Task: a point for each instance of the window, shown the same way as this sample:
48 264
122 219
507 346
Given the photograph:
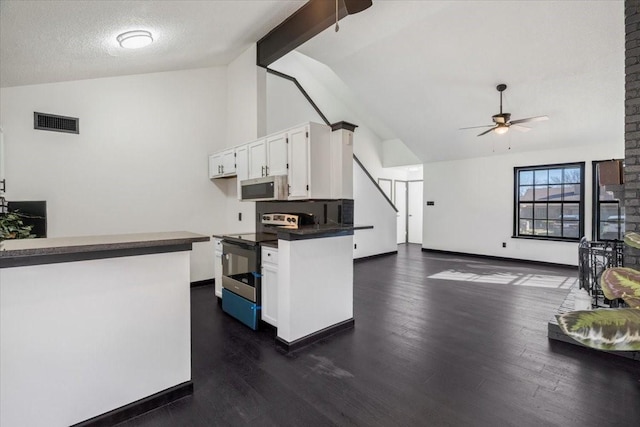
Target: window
608 215
549 202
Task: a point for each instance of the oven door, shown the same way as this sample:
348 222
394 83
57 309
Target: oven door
240 265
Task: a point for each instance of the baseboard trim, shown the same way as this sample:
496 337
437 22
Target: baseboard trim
139 407
499 258
206 282
366 258
290 347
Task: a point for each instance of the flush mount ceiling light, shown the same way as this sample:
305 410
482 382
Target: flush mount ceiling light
135 39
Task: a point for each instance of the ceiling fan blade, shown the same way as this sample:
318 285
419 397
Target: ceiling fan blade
530 119
477 127
487 131
520 128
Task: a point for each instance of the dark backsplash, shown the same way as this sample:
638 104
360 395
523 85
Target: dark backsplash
339 212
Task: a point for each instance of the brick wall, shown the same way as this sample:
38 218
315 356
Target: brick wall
632 126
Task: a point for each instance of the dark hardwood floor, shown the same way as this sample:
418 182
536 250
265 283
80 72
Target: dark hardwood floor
438 341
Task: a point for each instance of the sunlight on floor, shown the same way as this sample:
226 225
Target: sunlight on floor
535 280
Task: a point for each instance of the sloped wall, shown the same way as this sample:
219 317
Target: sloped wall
286 107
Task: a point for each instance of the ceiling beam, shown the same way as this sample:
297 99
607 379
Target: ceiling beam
305 23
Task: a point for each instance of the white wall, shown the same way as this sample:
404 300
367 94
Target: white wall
371 208
246 121
139 163
474 204
396 153
330 94
286 106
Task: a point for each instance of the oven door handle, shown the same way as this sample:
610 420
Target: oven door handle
225 263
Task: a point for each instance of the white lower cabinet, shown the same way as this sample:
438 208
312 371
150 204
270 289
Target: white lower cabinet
217 268
269 301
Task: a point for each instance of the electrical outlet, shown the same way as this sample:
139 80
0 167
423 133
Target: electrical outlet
504 244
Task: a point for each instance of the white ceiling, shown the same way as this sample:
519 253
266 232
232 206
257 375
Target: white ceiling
424 68
49 41
428 68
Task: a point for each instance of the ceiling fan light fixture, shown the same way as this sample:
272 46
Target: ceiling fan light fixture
135 39
501 130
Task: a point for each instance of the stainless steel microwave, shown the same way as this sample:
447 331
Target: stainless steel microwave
265 188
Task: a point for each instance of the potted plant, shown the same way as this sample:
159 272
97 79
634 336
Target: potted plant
12 227
616 329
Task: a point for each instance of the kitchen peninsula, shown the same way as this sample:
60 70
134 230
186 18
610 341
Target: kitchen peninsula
94 326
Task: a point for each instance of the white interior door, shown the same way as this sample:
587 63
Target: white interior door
414 202
400 200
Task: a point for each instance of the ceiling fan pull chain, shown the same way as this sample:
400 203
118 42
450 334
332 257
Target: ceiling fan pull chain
337 26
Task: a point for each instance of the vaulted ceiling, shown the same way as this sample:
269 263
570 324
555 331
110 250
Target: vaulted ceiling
423 68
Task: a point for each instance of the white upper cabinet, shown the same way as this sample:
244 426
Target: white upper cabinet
229 162
222 164
310 162
317 162
277 154
298 175
257 158
215 165
242 165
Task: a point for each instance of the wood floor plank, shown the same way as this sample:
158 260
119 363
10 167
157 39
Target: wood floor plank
439 340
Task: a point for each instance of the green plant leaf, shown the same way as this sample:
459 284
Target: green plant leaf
12 227
622 282
604 329
632 239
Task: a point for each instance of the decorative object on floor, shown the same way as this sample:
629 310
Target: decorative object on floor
502 121
614 328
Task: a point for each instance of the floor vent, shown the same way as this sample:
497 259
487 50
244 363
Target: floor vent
55 123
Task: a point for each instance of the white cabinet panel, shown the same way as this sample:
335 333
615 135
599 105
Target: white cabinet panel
298 175
217 268
215 165
257 158
222 164
269 300
242 166
277 154
229 162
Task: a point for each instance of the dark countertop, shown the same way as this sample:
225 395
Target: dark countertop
320 231
14 253
307 232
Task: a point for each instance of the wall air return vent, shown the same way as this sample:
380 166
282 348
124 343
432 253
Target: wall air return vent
55 123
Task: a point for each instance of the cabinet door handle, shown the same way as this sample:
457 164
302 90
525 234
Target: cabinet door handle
266 171
262 171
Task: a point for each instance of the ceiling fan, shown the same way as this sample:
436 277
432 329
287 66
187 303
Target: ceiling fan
502 121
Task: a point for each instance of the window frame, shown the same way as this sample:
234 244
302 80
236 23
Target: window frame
517 202
595 206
